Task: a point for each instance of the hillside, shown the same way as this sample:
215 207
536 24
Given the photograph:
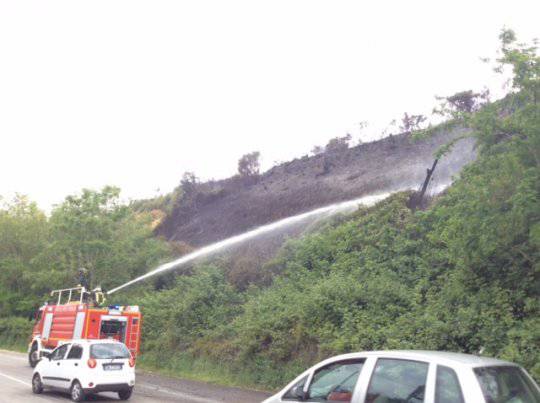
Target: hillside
218 209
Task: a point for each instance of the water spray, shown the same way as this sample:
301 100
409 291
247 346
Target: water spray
264 229
462 153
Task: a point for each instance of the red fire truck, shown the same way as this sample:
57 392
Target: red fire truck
77 314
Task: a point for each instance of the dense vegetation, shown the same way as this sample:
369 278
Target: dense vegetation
460 275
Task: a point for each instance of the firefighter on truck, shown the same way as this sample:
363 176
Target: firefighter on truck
77 313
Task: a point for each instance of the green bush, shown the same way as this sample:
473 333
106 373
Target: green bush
15 333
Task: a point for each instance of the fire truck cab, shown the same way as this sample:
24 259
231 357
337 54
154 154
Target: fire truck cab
76 314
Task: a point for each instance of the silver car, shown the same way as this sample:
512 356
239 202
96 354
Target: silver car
411 377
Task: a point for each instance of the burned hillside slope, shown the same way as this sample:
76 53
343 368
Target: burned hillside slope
218 209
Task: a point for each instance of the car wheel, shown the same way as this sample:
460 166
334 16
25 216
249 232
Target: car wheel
125 394
33 356
77 392
37 386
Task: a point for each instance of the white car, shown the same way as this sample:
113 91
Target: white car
84 367
411 377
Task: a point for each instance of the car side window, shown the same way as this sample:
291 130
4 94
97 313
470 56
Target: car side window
447 388
59 353
397 381
506 384
335 382
295 390
75 353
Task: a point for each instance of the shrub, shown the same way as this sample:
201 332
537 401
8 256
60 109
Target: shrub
15 332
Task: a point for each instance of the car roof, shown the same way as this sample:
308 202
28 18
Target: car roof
93 341
441 357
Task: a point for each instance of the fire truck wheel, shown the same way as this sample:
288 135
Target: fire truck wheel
77 392
37 386
33 356
125 394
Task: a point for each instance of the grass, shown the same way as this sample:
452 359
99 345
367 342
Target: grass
15 333
12 345
204 370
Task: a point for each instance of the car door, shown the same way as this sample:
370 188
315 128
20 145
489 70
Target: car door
52 373
332 383
72 364
399 380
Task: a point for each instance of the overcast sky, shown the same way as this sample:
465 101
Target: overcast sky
134 93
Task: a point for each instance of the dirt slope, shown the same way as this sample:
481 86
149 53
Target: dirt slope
219 209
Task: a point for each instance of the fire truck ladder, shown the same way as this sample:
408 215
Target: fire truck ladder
134 337
78 295
71 293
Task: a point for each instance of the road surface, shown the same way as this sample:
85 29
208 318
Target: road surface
15 376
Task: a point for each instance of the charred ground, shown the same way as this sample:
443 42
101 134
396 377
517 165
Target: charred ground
214 210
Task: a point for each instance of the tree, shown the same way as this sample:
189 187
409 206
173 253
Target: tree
23 235
411 123
525 64
514 118
462 103
189 182
94 230
248 164
316 150
338 143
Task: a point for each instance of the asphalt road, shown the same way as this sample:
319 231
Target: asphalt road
15 376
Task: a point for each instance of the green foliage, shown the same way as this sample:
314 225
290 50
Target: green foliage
164 203
92 230
95 231
24 234
15 333
177 318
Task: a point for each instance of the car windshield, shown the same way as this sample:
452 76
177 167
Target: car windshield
506 385
109 350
